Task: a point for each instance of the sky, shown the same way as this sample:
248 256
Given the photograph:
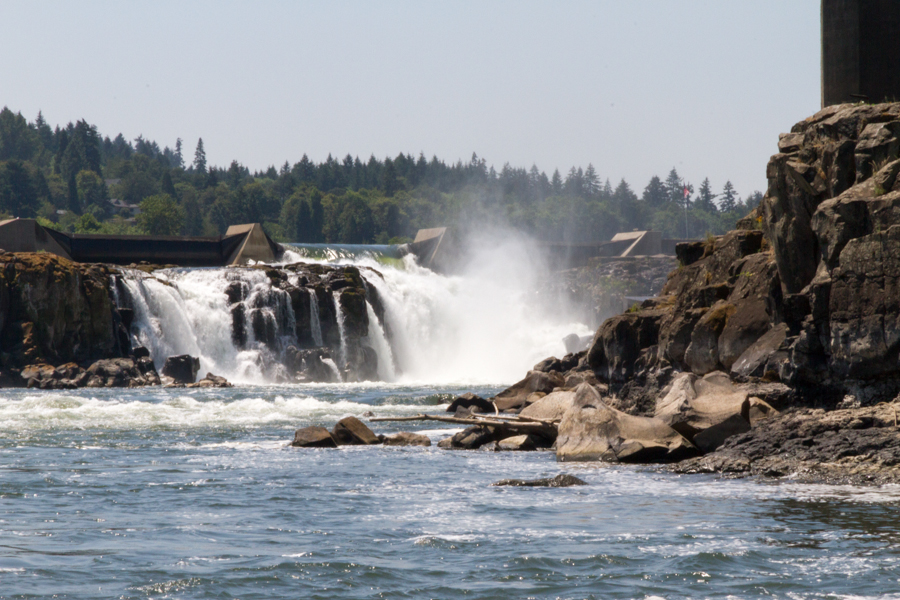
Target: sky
634 88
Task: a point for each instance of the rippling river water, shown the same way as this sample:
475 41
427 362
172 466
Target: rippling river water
195 494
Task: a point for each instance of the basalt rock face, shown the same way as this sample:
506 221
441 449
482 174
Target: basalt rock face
340 295
55 311
807 293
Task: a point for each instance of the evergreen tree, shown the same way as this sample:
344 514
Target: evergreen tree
674 188
179 157
18 192
200 157
705 197
591 181
556 183
389 181
728 200
655 194
166 185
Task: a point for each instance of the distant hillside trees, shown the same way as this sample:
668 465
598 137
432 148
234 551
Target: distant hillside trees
68 176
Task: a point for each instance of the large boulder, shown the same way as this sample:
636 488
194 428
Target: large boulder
763 352
182 368
706 411
313 437
352 431
618 343
551 407
591 430
515 396
119 372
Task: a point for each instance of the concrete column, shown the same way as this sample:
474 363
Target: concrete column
860 51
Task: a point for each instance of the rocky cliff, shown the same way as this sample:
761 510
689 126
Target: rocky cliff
798 309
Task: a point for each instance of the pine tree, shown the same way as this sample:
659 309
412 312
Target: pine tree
674 188
705 197
655 194
556 183
200 157
179 157
166 185
591 181
729 198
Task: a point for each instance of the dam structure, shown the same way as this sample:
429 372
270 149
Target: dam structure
239 245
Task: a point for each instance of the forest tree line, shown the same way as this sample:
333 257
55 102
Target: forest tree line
66 177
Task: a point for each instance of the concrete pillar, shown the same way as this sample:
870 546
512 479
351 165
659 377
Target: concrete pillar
860 51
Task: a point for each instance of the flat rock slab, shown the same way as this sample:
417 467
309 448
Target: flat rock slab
352 431
405 438
313 437
562 480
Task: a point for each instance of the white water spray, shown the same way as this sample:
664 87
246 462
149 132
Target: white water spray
380 344
342 353
314 322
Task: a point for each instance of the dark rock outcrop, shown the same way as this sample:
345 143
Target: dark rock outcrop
55 311
859 445
472 403
182 368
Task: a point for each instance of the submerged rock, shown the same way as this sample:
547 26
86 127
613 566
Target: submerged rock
561 480
405 438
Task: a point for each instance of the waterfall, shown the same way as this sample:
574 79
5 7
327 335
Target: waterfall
485 326
381 346
187 311
339 314
315 324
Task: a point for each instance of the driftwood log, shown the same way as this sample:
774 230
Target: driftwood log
506 423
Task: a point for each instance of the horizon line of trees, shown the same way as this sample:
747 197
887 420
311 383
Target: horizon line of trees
66 177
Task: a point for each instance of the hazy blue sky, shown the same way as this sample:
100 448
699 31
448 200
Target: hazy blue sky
633 87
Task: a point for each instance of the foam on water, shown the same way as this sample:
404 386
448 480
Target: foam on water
63 411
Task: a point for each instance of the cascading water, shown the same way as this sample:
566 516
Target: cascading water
342 331
314 321
381 346
188 311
